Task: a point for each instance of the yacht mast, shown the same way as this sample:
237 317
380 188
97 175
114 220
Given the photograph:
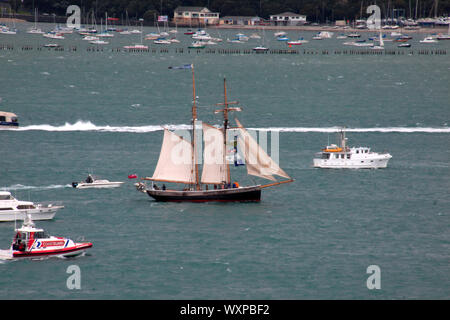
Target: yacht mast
194 119
225 111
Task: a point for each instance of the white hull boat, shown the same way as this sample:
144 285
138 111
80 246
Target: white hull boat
343 157
12 209
90 182
31 242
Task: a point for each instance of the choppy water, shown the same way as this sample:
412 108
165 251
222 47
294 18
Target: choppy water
104 112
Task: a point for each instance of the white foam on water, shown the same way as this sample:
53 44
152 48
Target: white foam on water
89 126
16 187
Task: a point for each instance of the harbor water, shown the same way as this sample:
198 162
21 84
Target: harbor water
103 111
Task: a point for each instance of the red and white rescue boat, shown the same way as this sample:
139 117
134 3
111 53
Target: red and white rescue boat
30 242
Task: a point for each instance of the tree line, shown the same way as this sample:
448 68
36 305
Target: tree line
315 10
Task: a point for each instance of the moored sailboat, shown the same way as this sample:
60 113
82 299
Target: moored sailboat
184 169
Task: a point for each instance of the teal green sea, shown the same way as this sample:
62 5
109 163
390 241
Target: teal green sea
102 112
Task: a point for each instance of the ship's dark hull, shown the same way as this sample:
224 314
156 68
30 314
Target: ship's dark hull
244 194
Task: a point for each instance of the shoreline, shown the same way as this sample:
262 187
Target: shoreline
421 30
331 29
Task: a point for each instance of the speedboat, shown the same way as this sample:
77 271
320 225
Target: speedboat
8 120
428 40
260 49
334 156
12 209
93 182
31 242
298 42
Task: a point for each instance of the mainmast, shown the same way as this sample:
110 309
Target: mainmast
194 119
225 111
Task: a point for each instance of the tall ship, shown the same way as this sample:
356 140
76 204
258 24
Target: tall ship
342 156
215 182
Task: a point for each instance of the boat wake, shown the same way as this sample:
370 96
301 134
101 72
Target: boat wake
89 126
17 187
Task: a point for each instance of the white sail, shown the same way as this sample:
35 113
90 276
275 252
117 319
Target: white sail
175 160
215 170
256 159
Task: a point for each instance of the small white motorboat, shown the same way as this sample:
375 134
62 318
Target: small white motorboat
12 209
8 120
260 49
31 242
93 182
343 157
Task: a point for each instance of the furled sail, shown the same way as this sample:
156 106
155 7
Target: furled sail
175 160
256 159
215 168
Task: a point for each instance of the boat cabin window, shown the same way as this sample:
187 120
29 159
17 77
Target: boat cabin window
26 206
357 151
21 236
342 156
40 235
325 156
2 118
5 197
13 119
6 208
348 155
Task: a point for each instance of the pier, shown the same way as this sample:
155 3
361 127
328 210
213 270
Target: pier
233 51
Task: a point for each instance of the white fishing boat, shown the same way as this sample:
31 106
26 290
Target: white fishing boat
94 182
341 156
12 209
32 242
